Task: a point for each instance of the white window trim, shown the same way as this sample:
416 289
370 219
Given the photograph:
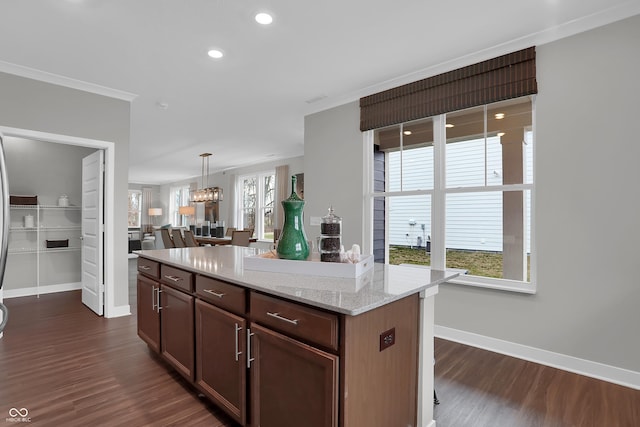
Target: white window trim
259 230
173 208
438 211
139 208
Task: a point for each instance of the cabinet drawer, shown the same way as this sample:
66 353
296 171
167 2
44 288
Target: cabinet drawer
296 320
176 278
221 294
149 268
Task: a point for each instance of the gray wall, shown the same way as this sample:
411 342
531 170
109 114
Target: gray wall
333 168
33 105
587 204
46 169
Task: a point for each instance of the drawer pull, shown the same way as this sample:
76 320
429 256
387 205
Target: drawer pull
238 352
212 292
144 267
249 358
173 278
277 316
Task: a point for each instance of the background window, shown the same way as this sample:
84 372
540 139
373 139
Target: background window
256 203
135 208
179 197
482 203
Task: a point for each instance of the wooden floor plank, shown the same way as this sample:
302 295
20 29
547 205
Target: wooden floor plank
69 367
479 388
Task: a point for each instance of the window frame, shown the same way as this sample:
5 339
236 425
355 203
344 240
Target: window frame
178 220
438 207
139 192
259 231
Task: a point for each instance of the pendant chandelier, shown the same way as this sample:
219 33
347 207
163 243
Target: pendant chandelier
206 193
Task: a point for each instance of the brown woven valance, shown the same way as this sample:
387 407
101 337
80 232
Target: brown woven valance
504 77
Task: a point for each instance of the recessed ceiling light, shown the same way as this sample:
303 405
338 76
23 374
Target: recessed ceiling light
449 125
500 134
407 132
499 116
215 53
264 18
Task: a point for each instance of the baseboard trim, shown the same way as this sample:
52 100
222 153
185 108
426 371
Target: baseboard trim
612 374
41 290
119 311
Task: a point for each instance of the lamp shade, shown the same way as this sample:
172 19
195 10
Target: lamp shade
187 210
155 211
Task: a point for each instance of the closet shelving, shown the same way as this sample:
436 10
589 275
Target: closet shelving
50 222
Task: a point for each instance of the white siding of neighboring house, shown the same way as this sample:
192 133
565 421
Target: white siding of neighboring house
474 220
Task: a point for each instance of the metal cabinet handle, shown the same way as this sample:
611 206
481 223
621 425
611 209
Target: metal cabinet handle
153 298
284 319
238 353
173 278
249 358
212 292
159 307
142 267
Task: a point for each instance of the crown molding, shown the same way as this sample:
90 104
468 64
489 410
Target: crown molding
43 76
548 35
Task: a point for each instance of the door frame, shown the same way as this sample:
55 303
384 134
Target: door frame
109 200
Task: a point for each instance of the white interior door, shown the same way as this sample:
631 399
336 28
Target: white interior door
92 232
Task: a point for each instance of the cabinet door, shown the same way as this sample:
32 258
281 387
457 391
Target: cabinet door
176 326
221 368
292 384
148 317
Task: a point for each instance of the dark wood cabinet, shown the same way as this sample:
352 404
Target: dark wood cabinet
221 367
176 330
272 362
148 314
292 383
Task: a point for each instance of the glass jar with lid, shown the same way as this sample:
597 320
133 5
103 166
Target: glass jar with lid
330 237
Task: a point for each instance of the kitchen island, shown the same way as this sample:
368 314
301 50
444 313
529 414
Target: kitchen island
278 349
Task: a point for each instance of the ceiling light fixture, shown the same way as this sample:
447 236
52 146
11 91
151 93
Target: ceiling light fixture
407 132
215 53
500 134
499 116
264 18
206 193
449 125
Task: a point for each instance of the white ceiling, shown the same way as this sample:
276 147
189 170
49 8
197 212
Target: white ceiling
249 107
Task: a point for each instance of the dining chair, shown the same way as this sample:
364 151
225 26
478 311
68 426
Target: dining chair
241 237
167 241
229 231
189 239
178 241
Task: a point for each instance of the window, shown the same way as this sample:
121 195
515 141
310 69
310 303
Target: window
256 195
135 208
179 197
455 191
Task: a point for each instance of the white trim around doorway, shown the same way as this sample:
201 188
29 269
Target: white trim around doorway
110 310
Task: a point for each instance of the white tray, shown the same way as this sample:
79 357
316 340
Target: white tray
309 267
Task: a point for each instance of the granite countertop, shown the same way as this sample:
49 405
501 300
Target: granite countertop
381 285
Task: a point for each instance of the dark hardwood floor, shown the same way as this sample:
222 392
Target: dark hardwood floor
69 367
480 388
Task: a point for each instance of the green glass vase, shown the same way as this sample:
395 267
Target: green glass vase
293 240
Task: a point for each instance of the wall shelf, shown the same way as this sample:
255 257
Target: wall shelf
50 222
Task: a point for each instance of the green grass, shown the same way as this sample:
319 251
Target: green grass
478 263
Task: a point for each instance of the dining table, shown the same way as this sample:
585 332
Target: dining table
217 241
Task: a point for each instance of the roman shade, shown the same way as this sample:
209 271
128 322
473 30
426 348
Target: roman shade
508 76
